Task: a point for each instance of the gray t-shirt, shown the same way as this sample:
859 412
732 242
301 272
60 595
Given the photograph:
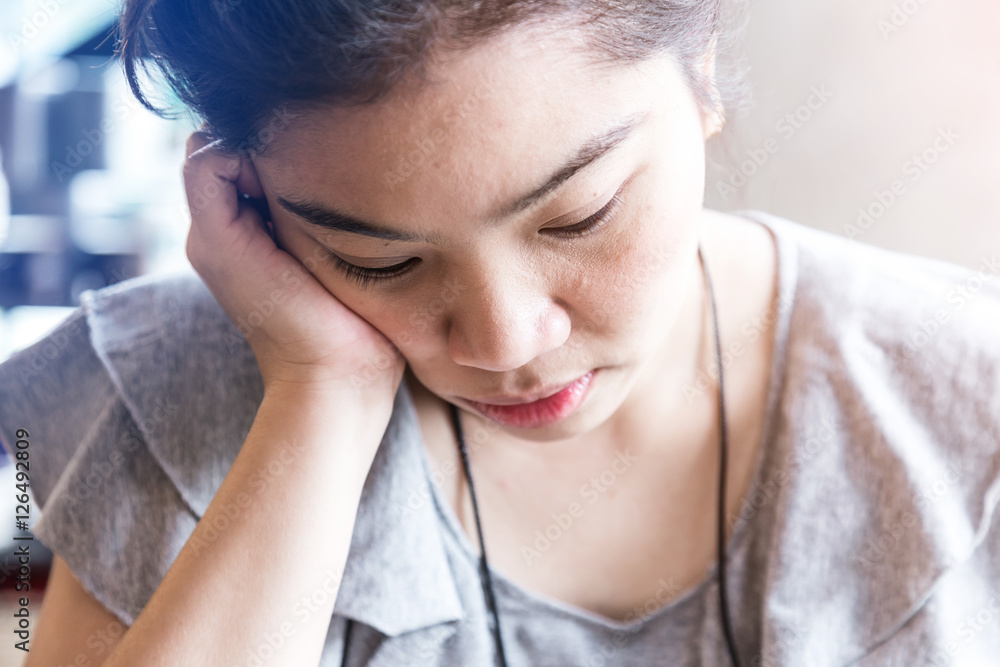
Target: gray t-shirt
869 536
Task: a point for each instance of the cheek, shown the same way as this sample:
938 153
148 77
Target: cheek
632 283
413 320
376 308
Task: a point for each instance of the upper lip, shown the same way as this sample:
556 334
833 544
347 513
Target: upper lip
507 399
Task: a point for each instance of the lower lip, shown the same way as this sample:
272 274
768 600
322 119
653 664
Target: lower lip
543 412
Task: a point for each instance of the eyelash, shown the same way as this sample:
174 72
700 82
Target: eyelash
364 276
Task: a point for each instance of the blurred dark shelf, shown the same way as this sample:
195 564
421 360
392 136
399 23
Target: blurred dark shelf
57 279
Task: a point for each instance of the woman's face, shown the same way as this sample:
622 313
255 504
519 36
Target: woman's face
485 292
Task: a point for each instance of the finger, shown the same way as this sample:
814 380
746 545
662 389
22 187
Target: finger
226 234
248 181
209 183
196 140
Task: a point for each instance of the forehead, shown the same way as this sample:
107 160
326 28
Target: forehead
486 122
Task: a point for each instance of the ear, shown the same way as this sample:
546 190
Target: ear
712 121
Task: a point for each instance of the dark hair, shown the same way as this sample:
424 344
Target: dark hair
241 64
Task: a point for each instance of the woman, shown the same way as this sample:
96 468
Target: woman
470 376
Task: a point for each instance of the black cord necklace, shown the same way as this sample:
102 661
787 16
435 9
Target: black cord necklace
484 569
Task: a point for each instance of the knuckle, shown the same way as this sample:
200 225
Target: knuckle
193 145
197 139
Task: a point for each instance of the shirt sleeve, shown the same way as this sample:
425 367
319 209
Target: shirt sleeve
107 507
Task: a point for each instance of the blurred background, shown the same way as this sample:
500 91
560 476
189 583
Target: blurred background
855 95
874 119
90 195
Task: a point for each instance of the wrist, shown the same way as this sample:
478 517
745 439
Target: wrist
339 412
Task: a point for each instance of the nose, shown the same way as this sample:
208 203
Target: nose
502 324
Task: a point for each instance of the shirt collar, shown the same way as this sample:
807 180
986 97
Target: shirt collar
398 577
179 363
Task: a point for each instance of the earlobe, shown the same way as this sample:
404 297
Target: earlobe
714 123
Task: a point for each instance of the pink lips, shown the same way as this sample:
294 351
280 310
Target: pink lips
542 412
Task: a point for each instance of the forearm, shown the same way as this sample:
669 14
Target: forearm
266 559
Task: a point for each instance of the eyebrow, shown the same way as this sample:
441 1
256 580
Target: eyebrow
592 150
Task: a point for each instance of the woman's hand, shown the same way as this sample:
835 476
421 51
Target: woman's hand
302 336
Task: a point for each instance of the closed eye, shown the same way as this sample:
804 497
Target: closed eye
365 276
594 222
